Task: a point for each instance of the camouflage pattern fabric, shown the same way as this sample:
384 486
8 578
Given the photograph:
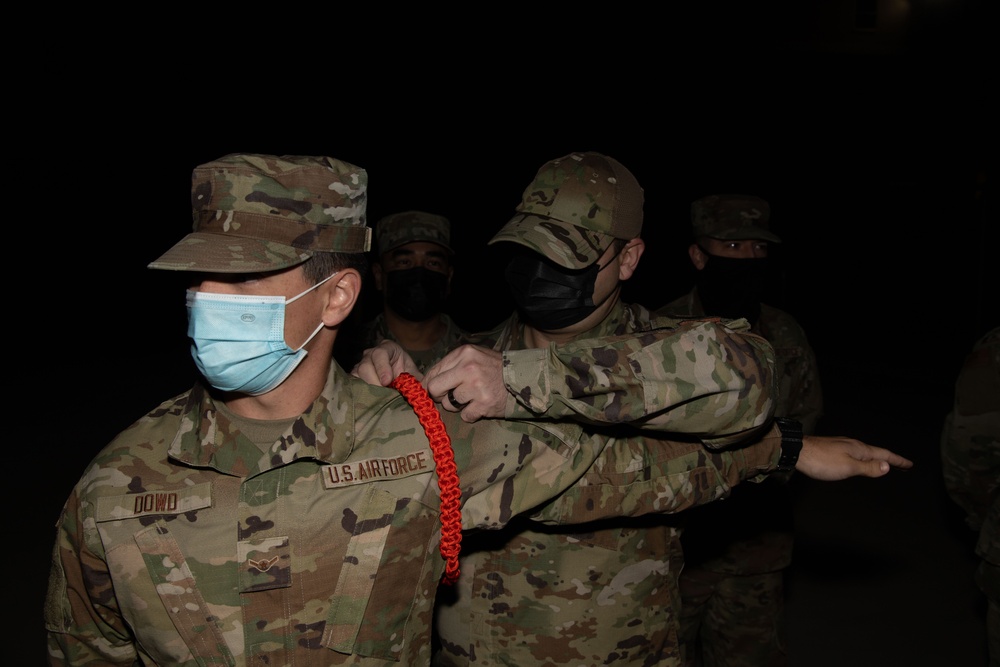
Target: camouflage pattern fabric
184 544
257 213
573 209
731 607
377 330
732 217
706 378
742 629
399 229
573 583
970 457
799 391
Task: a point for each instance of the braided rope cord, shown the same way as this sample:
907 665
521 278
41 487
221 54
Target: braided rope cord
447 471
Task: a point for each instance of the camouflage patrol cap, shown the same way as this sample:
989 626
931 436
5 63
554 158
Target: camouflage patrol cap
398 229
575 207
732 217
255 213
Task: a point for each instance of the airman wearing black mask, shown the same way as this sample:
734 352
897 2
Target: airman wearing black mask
533 593
413 272
735 553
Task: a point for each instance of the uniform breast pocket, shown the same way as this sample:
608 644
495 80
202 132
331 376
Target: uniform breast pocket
387 581
148 539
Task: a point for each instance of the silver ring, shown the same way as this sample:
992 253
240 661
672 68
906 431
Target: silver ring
454 401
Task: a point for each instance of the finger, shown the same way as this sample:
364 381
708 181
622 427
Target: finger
897 461
889 457
405 364
472 411
441 383
873 468
381 367
442 366
366 372
459 405
471 414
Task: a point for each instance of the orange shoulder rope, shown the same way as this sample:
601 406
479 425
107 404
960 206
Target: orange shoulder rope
447 471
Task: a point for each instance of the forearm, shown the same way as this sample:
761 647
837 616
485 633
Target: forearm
700 379
652 475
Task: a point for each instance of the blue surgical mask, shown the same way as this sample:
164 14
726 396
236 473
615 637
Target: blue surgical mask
238 341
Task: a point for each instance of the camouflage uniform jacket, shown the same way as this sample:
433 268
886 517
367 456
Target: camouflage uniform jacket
970 445
752 531
184 544
378 330
705 378
800 394
602 589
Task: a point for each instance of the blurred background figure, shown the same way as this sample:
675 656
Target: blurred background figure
736 552
413 271
970 462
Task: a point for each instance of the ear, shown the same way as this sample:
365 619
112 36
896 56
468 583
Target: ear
698 257
344 290
629 258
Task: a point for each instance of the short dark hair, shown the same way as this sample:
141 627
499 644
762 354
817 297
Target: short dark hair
322 264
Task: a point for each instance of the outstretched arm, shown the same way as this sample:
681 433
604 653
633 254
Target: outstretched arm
484 381
656 474
700 378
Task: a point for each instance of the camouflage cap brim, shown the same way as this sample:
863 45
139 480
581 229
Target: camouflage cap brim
240 242
219 253
568 245
732 217
745 234
399 229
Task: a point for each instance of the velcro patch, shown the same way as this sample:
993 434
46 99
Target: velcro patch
162 501
378 469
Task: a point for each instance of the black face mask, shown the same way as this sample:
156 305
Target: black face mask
548 296
731 287
416 294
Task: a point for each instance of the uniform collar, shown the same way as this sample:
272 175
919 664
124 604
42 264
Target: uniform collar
325 432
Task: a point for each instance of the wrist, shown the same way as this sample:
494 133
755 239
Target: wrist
791 442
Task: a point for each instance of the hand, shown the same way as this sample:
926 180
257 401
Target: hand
473 376
832 458
381 364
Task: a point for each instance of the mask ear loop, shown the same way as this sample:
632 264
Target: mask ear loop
444 464
616 256
298 296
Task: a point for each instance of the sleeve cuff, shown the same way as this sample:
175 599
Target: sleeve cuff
526 378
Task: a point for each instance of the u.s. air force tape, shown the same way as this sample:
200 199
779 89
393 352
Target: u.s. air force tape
370 470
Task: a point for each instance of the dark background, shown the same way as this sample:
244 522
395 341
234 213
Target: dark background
870 127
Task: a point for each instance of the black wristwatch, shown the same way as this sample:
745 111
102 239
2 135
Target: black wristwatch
791 442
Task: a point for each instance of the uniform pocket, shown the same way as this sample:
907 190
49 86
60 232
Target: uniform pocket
375 601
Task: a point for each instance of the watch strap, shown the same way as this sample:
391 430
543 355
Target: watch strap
791 442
